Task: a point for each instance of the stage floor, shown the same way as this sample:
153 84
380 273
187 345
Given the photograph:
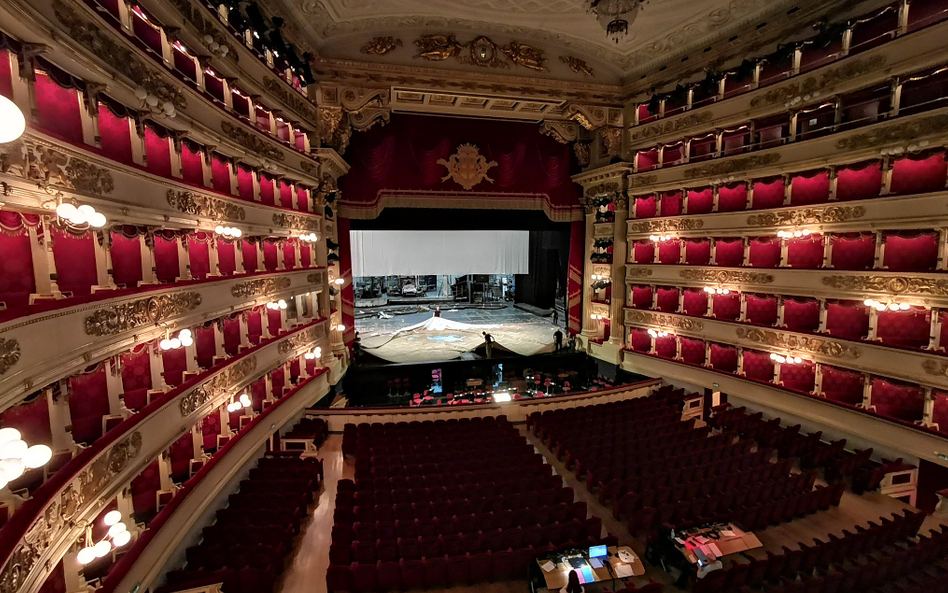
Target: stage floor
512 329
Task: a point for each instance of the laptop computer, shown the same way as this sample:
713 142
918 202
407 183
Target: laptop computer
596 555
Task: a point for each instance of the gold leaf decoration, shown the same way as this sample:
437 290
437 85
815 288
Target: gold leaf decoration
9 354
297 341
672 126
671 224
726 276
888 284
577 65
259 287
896 132
638 272
127 316
296 221
732 166
200 205
659 320
251 141
829 214
316 278
936 368
290 98
482 52
786 341
637 181
467 167
380 46
847 71
226 380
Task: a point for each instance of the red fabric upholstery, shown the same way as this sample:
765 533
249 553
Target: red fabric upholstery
896 400
640 340
306 256
220 175
75 261
258 393
126 260
192 165
31 419
726 306
859 182
245 183
115 136
157 150
669 252
180 453
302 200
758 366
764 253
695 302
88 403
231 336
852 252
761 310
643 252
700 201
671 203
847 319
143 488
645 207
768 193
226 257
205 346
274 321
136 368
270 256
926 12
729 254
723 358
940 411
266 190
805 252
58 108
692 351
842 386
801 315
646 159
732 197
250 256
289 255
175 364
16 265
799 377
210 428
254 326
908 253
198 255
697 252
666 347
286 194
919 174
642 297
668 299
909 329
809 188
166 259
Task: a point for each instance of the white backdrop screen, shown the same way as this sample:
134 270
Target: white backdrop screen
409 253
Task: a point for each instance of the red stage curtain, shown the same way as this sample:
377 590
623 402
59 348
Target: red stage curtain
908 329
645 206
729 254
809 188
799 377
175 365
250 255
115 135
574 280
306 257
274 321
764 253
700 201
220 174
768 193
695 302
897 400
166 257
17 282
859 181
198 254
732 197
231 336
758 366
31 419
88 403
226 257
801 315
842 386
286 194
911 252
144 488
726 306
643 251
75 261
761 310
847 319
205 346
157 150
669 252
244 182
640 340
805 252
668 299
126 258
853 251
642 297
289 255
210 428
666 347
270 256
59 106
180 453
692 351
671 203
915 174
266 190
254 326
724 358
697 252
192 164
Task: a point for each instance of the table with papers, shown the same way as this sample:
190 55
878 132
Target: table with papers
624 563
705 546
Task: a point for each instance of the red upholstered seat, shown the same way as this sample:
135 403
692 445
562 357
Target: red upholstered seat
697 252
669 252
764 253
729 254
913 174
640 340
842 385
666 347
723 358
671 203
695 302
700 201
458 570
667 299
413 574
847 319
732 197
909 329
761 310
389 575
809 188
692 350
805 252
895 400
436 572
642 297
645 206
852 251
758 366
339 578
799 377
726 306
802 314
859 181
911 252
365 577
768 193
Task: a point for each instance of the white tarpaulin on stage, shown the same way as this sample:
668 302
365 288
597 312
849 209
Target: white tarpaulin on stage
456 253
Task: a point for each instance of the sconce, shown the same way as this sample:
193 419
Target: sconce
242 402
228 232
276 305
660 238
117 536
712 290
659 333
789 358
794 234
184 339
891 306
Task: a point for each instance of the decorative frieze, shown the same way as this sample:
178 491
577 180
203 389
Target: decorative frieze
813 85
296 221
792 342
666 225
659 320
298 340
317 277
935 368
251 141
380 46
726 276
291 99
9 354
826 215
205 206
47 166
122 317
637 181
259 287
888 284
638 272
671 126
227 380
896 132
195 15
728 166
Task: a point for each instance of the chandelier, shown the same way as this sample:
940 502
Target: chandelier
615 16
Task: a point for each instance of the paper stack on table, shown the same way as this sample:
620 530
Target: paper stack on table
547 566
623 570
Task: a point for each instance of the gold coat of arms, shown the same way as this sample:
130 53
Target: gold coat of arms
467 167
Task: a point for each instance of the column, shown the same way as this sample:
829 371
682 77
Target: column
44 266
740 361
824 311
207 167
59 419
652 344
776 378
244 330
149 269
714 198
787 190
255 176
784 252
866 392
298 253
261 260
157 365
887 165
654 297
137 131
219 351
190 357
619 258
176 139
113 383
873 324
214 257
743 315
879 259
929 407
90 114
781 311
239 257
828 251
942 249
184 258
681 300
707 354
103 259
281 260
197 441
934 335
714 250
746 242
677 348
710 297
818 381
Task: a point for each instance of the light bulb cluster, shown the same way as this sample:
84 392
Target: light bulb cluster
117 536
314 355
183 340
794 234
660 238
242 402
891 306
659 333
309 237
597 317
339 281
276 305
600 278
712 290
228 232
84 214
12 122
341 327
16 456
786 359
155 104
215 47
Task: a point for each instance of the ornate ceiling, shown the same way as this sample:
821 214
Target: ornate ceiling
573 46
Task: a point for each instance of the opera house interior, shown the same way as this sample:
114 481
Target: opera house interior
313 296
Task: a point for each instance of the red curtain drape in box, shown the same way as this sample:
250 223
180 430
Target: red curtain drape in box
643 251
695 302
799 377
768 193
732 197
88 403
17 282
764 253
274 321
144 488
645 207
697 252
31 419
231 336
642 297
295 369
692 350
700 201
668 299
180 453
270 256
192 164
157 150
136 377
911 252
761 310
289 255
574 279
75 261
847 319
175 364
805 252
842 386
58 106
220 174
306 256
723 358
302 201
267 190
726 306
199 254
277 378
226 257
210 428
859 181
729 254
896 400
345 272
758 366
669 252
908 329
666 347
205 346
853 251
254 326
801 315
167 266
809 188
640 340
126 258
245 182
258 393
286 194
671 203
917 174
249 253
115 135
646 159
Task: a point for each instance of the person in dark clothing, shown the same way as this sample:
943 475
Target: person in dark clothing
556 317
558 340
488 343
572 342
437 312
572 584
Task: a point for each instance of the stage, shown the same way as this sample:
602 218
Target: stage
419 337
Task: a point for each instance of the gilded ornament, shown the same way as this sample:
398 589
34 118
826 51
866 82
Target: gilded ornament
380 46
588 116
577 65
200 205
659 320
290 98
259 287
732 166
664 225
637 181
47 166
936 368
561 131
227 380
196 16
812 84
726 276
897 132
437 48
638 272
525 56
786 341
672 126
251 141
316 278
581 149
467 167
127 316
888 284
611 141
296 221
297 341
9 354
827 215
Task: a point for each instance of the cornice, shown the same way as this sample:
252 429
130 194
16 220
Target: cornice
608 174
330 162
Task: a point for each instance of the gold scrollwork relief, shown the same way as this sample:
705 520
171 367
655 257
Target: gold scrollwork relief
888 284
48 166
259 287
297 341
935 368
296 221
897 132
812 84
291 99
316 278
482 52
9 354
638 272
380 46
670 127
672 224
829 348
658 320
251 141
830 214
577 65
637 181
727 276
206 206
732 166
127 316
218 385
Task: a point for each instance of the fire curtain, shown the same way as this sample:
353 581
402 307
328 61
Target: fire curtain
574 286
345 272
